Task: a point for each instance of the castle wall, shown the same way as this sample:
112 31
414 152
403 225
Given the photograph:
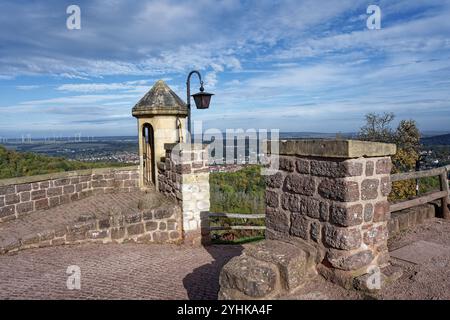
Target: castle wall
20 196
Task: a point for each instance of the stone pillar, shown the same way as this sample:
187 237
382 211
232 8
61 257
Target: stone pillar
184 177
333 196
326 213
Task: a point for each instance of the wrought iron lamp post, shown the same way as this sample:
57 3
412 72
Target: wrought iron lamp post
202 98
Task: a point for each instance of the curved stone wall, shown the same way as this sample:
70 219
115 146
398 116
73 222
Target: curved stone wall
20 196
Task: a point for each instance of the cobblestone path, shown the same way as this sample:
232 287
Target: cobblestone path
114 271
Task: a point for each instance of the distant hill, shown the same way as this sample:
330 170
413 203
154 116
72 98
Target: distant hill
436 140
17 164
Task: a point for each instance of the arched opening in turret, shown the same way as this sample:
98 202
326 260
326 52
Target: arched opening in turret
148 140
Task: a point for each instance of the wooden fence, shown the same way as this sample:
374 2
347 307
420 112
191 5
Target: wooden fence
442 194
236 216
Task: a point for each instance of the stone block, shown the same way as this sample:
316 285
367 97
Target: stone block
171 225
23 187
287 164
336 169
303 166
249 276
368 212
377 279
277 219
346 215
148 214
349 260
64 199
375 235
339 190
174 235
385 186
163 213
12 199
160 236
44 184
46 235
310 207
41 204
117 233
61 182
7 211
275 180
74 197
370 166
300 184
25 207
295 265
342 238
272 199
38 194
24 196
324 210
151 225
383 166
133 217
369 189
316 229
393 226
135 229
104 223
291 202
56 191
335 148
300 226
4 190
403 220
381 211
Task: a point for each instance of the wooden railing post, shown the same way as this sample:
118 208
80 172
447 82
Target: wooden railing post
445 199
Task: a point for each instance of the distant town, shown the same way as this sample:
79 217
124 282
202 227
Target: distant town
435 150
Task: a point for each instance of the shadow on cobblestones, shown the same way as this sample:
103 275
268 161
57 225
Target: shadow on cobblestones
203 282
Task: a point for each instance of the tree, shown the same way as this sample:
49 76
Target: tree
406 137
377 128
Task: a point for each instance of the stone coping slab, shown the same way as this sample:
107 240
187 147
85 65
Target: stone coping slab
344 149
65 174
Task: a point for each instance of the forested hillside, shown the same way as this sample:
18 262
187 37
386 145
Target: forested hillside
17 164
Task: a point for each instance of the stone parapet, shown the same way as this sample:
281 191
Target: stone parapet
329 195
19 196
184 177
158 225
333 195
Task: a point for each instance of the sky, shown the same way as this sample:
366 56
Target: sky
302 65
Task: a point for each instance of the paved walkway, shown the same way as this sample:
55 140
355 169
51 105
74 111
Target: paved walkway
127 271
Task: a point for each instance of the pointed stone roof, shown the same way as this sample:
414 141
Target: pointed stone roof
160 100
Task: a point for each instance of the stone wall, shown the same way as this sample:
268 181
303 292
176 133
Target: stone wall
183 176
160 225
409 218
23 195
338 205
327 203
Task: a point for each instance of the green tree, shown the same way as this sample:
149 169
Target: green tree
406 137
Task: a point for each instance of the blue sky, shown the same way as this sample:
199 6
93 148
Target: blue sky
292 65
